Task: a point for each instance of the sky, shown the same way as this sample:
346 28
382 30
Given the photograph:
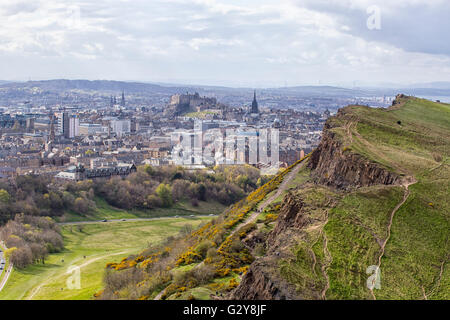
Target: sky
255 43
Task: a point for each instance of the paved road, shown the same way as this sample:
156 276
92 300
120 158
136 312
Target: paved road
8 271
137 219
2 262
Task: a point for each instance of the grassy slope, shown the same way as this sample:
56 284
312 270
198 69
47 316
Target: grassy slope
418 249
100 243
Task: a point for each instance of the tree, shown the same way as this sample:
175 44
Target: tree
80 206
21 257
201 192
164 192
4 196
9 251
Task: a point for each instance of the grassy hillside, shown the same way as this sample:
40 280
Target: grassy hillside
412 139
90 247
298 239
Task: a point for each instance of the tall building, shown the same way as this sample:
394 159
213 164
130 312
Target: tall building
63 124
254 104
121 126
68 125
122 101
74 126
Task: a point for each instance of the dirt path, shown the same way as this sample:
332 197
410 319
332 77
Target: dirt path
424 294
438 282
326 265
370 147
397 207
50 277
281 188
158 297
313 255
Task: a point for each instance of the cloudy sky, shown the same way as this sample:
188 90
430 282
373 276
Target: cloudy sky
227 42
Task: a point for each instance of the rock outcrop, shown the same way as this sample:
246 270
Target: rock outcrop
291 216
260 283
263 280
334 166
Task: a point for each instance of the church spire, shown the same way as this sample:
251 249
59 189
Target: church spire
254 104
122 102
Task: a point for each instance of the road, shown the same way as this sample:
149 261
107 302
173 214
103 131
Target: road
8 271
135 219
2 263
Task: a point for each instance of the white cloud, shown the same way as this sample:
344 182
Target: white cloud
303 41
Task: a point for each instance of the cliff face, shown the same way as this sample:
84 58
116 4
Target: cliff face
258 284
333 166
263 280
291 216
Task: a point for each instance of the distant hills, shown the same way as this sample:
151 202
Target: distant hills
432 88
96 93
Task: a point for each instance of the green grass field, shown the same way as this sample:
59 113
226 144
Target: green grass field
90 249
106 211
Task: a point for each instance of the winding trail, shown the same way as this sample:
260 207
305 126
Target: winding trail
327 264
397 207
281 188
50 277
438 282
158 297
370 147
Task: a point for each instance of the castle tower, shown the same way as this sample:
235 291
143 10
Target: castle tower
254 104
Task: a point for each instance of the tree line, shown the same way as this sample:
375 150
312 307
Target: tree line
148 188
30 239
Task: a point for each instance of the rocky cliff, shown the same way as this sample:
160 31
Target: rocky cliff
261 282
335 166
